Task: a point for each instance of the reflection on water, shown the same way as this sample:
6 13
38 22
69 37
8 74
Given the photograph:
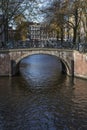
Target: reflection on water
40 71
42 98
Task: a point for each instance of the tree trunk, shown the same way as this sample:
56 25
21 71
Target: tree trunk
75 27
74 35
62 35
57 35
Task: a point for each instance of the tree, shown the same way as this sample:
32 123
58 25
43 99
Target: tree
83 15
8 9
22 27
11 8
21 31
66 14
55 16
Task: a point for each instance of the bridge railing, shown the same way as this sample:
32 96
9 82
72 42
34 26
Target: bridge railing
44 44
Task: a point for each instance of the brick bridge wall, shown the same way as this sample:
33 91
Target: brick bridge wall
75 62
80 64
4 64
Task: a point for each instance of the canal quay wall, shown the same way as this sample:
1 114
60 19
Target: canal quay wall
80 64
74 61
4 63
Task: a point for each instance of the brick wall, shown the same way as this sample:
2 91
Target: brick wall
4 64
80 64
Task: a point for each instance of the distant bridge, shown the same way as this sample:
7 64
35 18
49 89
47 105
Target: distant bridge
73 62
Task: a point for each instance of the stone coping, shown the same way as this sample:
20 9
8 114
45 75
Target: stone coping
34 49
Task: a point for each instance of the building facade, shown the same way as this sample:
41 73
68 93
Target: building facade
39 32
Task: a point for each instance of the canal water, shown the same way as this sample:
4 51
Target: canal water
42 98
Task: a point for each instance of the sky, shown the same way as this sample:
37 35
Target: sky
42 4
38 17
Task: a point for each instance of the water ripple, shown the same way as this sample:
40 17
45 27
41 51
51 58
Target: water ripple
42 98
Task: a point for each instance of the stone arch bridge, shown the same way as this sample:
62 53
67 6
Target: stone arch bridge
73 62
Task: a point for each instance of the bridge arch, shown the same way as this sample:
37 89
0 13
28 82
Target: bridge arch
65 64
